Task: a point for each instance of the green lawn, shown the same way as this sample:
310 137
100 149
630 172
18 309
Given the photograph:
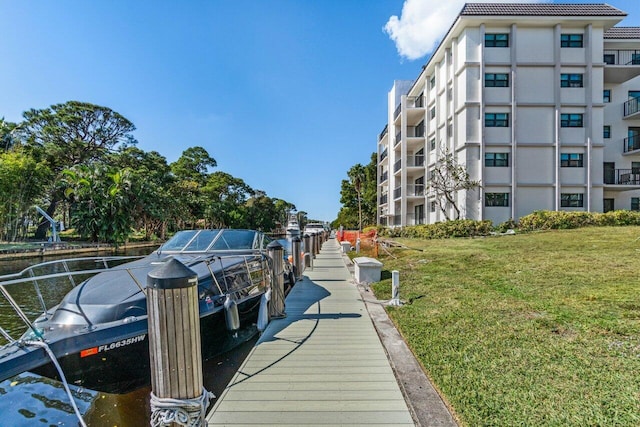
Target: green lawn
532 329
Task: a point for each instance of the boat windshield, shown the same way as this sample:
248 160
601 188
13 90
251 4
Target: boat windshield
211 240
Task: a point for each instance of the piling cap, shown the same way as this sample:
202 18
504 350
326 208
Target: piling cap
172 274
275 246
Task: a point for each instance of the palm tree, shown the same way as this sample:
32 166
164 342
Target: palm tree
357 177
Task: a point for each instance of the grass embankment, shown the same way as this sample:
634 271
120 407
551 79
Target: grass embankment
533 329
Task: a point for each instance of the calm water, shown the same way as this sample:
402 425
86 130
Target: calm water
28 399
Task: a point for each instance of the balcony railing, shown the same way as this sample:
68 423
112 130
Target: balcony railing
631 143
622 57
622 176
415 190
397 192
397 112
383 133
397 220
631 106
398 137
413 220
418 101
397 165
384 198
416 131
416 161
383 155
383 221
411 190
384 177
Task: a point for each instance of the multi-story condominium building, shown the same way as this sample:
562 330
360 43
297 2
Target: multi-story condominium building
540 104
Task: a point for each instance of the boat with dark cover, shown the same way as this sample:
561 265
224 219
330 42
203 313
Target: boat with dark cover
98 332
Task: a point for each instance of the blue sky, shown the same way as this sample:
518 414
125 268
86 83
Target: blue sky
286 95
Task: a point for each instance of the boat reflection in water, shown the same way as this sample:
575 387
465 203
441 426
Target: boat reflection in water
98 332
29 399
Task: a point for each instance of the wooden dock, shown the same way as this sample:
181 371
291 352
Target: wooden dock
321 365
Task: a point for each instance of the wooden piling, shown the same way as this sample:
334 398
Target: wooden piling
174 333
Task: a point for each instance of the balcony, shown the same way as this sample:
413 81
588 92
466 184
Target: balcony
631 144
631 108
415 108
383 155
416 161
621 64
416 131
411 190
413 220
384 198
397 112
398 137
384 177
622 177
397 165
415 190
383 133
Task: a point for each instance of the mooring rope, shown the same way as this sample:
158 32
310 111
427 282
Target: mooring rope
186 412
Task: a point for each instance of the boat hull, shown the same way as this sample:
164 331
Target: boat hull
122 364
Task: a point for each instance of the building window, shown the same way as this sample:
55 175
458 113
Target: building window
571 160
635 203
571 40
609 59
570 80
432 206
572 200
496 159
571 120
432 144
432 82
450 130
432 113
496 199
496 40
606 95
496 120
606 131
496 80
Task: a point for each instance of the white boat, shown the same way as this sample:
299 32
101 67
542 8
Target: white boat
293 228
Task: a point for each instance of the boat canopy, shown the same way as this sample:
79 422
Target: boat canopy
190 241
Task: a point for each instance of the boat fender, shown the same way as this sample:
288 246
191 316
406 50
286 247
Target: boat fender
231 316
263 312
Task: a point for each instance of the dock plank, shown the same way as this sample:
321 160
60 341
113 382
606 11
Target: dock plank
323 364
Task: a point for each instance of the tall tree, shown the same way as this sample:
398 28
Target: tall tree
8 134
21 182
449 177
152 184
358 196
193 165
225 198
69 134
103 208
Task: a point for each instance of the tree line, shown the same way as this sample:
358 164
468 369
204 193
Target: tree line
80 163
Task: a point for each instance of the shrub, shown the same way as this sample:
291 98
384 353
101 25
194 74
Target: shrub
558 220
442 230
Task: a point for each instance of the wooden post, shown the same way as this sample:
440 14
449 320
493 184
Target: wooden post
276 305
308 251
297 262
174 340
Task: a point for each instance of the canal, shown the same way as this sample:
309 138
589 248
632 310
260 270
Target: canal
29 399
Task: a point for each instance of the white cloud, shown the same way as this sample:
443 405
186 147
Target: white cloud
423 23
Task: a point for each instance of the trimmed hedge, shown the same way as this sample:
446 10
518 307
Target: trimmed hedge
562 220
442 230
